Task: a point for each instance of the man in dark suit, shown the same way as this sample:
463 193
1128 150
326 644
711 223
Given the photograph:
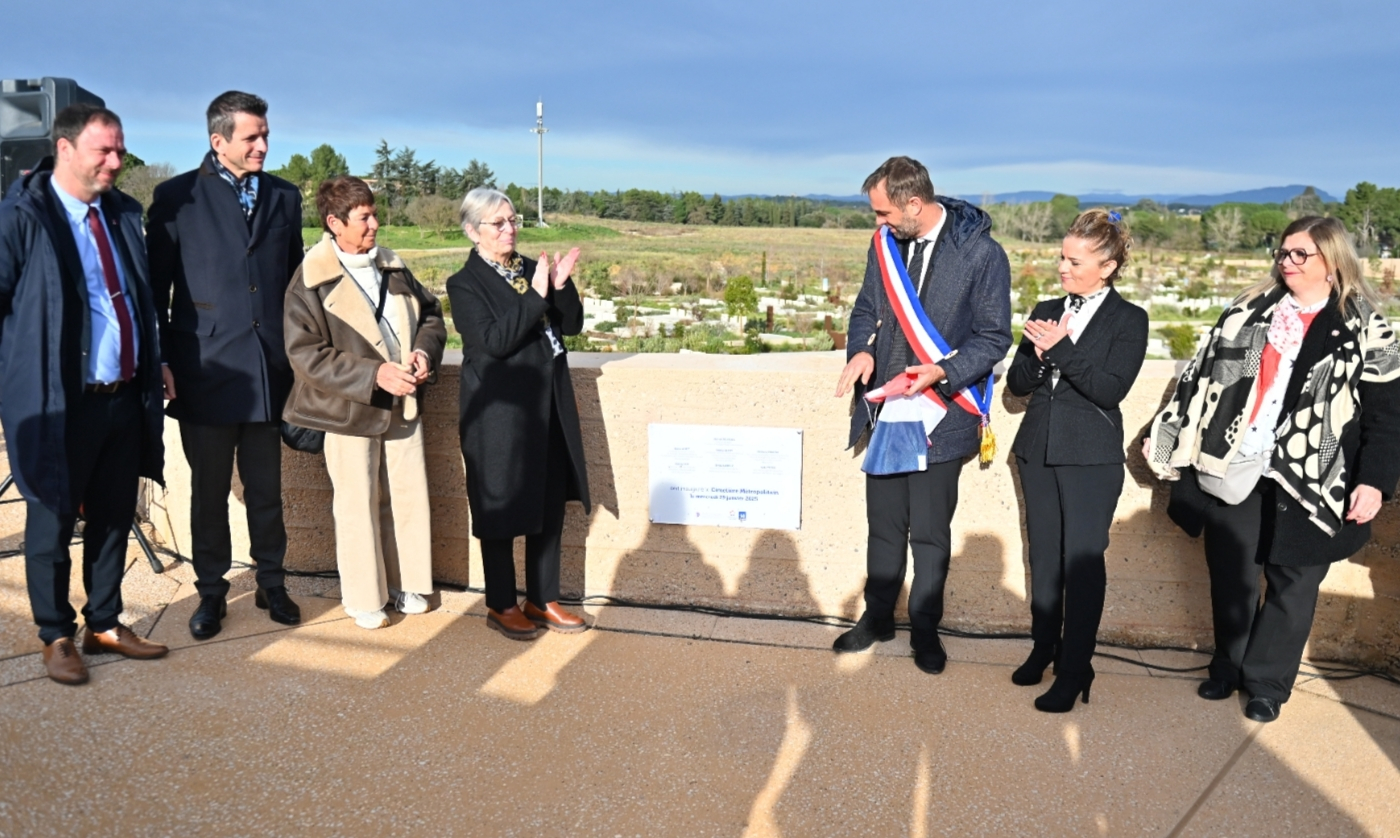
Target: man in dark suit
963 283
80 373
224 240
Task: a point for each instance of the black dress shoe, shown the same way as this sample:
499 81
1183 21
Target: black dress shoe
278 605
1215 690
1262 709
1032 671
932 661
204 623
865 633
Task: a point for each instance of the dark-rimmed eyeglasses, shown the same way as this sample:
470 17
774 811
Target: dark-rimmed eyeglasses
514 222
1297 255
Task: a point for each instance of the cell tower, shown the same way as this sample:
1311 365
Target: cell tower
539 130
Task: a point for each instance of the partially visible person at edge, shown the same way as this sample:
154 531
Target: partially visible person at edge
963 283
1283 439
363 336
1079 357
80 373
519 418
224 240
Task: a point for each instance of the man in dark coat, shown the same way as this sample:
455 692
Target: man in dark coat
224 240
80 373
963 281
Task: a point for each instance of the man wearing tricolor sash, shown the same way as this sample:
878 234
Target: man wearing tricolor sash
932 319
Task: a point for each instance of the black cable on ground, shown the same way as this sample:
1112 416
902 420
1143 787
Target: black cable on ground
1331 671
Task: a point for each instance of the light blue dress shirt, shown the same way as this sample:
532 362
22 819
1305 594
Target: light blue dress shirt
105 353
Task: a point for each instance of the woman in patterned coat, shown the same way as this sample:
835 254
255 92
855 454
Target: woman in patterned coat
1283 437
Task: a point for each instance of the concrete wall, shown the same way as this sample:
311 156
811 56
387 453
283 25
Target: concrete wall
1157 585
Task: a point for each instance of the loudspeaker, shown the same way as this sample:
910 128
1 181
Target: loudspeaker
27 111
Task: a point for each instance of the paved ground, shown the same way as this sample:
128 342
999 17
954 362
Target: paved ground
655 723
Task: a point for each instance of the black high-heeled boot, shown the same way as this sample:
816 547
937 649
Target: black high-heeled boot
1061 695
1032 671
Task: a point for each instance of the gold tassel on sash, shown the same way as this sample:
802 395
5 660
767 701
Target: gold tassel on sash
989 443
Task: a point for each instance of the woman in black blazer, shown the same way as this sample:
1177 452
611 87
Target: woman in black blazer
1079 356
519 419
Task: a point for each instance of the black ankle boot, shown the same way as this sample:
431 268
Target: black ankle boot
1030 672
1061 695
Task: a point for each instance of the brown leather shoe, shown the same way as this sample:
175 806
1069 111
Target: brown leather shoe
122 641
64 664
513 624
554 618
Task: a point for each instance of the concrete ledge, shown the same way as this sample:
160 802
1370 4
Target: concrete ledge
1158 590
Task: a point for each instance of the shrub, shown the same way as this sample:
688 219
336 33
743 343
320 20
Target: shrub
1181 340
740 297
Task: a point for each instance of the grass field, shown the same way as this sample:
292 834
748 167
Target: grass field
661 266
414 238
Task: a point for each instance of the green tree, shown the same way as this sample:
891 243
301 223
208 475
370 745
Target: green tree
477 174
740 299
1373 216
307 173
1063 210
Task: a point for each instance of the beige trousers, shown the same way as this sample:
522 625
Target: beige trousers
383 535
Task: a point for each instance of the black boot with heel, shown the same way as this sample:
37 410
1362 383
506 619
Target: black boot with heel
1061 695
1032 671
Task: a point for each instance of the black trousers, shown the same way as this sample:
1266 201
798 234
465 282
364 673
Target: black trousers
104 463
1257 646
1068 512
542 549
911 513
211 451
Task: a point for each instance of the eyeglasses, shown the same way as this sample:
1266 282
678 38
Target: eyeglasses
1297 256
514 222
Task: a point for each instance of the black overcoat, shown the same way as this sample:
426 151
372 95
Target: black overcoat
1080 415
510 380
219 283
46 334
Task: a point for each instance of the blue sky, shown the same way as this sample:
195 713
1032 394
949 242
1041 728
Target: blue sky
768 97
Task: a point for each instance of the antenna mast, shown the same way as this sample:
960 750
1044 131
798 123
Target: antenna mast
539 130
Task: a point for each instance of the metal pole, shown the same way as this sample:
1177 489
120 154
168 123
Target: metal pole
540 130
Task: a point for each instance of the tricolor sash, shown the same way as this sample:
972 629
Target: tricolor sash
899 443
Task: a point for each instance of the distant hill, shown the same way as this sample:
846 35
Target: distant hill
1267 195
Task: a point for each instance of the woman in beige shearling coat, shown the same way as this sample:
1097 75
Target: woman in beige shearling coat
362 336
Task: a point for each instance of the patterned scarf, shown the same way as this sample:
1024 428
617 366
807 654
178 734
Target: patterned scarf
513 271
1204 423
246 189
1286 329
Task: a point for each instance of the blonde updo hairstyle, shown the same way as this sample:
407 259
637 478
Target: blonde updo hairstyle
1107 235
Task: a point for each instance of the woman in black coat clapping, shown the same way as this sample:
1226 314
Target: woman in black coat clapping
1078 358
519 420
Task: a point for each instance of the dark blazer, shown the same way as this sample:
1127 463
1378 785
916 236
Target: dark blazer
1370 448
219 283
46 334
1080 415
967 296
510 379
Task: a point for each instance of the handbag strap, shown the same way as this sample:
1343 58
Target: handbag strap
383 297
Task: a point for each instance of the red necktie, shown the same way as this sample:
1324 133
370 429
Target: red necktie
114 290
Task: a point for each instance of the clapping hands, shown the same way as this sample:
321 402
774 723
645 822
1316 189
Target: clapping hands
1044 334
555 274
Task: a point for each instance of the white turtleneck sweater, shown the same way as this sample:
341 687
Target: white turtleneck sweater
362 269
